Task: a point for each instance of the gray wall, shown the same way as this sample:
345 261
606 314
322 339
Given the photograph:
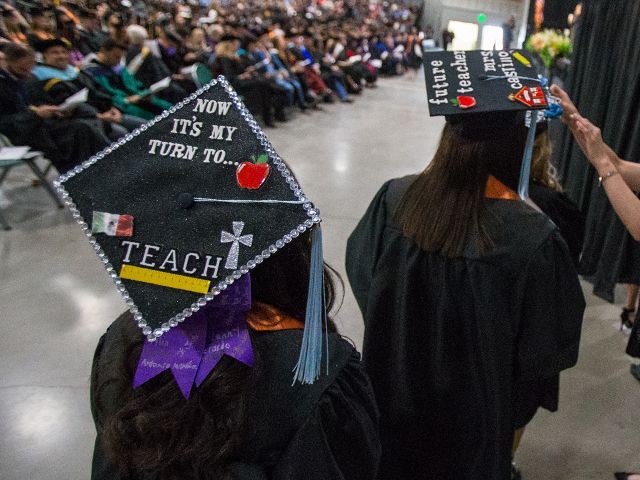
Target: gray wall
438 13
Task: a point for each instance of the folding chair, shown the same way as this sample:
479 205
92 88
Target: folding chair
30 160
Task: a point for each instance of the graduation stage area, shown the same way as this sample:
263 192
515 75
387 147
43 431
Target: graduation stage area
56 301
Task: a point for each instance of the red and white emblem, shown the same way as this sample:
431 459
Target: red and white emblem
530 96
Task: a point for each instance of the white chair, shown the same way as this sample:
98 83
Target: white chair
30 160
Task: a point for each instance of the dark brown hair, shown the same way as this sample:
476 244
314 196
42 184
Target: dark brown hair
156 432
441 211
14 52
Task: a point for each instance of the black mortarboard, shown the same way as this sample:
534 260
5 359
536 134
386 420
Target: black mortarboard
483 91
44 45
478 81
189 203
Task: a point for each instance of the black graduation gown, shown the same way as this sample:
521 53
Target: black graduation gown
66 142
462 351
564 213
324 431
152 70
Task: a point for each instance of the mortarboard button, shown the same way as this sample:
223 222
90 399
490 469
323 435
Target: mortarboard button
185 200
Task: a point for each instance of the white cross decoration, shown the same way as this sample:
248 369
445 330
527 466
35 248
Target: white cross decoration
236 238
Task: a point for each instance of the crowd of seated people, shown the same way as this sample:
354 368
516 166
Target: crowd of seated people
279 55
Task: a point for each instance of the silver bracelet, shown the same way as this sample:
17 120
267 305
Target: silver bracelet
607 176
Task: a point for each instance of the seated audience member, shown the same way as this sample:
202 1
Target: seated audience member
303 61
68 31
254 58
90 35
367 71
197 49
127 94
297 70
65 141
273 68
170 46
117 28
336 55
57 80
15 25
256 91
43 25
144 62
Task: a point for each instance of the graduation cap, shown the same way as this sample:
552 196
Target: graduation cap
44 45
467 82
479 88
185 206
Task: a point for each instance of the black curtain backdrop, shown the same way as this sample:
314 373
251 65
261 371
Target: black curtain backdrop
604 81
556 14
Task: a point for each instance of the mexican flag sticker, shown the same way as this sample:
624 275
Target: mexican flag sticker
112 224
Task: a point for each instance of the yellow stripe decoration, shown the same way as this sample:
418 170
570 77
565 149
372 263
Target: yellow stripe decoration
164 279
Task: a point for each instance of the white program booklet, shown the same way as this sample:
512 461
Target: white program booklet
13 153
160 85
74 100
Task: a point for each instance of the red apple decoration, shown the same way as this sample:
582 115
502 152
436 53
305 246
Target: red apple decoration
251 175
465 101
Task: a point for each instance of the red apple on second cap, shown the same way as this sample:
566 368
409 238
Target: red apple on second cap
252 175
465 101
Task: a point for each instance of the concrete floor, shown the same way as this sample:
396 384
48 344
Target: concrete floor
56 300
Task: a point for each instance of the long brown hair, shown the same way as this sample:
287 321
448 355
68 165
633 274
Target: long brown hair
542 170
441 211
156 433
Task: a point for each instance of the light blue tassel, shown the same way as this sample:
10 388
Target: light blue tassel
307 370
525 171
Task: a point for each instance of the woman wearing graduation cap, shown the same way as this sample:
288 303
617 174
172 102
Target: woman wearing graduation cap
226 365
471 301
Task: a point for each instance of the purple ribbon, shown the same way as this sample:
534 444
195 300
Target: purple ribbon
193 348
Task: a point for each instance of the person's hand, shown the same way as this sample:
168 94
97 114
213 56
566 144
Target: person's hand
589 137
46 111
565 102
116 114
112 115
178 77
190 57
133 99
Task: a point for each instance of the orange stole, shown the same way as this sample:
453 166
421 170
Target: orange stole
498 190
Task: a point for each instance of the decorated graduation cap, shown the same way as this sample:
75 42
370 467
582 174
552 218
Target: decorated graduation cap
179 211
472 85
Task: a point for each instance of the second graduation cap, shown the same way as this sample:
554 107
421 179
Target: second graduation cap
479 81
186 205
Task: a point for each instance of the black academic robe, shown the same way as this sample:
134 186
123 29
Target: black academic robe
152 70
324 431
66 142
564 213
89 42
462 351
